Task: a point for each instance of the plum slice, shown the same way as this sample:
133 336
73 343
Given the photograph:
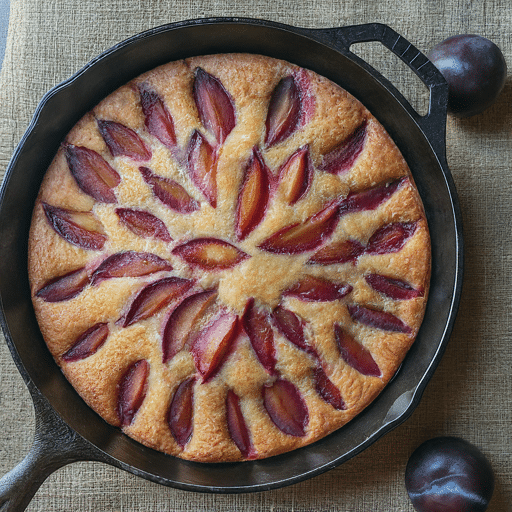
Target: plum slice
123 141
64 287
143 224
158 119
327 390
312 288
181 412
390 238
253 197
82 229
210 253
88 343
212 344
214 104
286 407
378 319
393 288
183 321
284 111
343 157
342 251
170 192
129 264
202 166
154 297
304 236
256 323
354 354
92 173
291 326
237 426
371 198
295 175
131 391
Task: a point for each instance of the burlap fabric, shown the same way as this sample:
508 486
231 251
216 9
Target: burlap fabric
470 393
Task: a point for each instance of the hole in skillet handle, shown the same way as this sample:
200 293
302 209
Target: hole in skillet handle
396 71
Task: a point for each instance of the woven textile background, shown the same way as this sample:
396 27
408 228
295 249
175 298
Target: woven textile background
470 394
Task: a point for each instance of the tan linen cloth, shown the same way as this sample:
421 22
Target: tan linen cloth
470 393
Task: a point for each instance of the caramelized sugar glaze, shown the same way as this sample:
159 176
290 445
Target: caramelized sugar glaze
229 258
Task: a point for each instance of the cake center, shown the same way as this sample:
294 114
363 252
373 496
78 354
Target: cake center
262 277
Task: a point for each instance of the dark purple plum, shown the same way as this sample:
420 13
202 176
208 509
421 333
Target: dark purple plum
449 474
475 70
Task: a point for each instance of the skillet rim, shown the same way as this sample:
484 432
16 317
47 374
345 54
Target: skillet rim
403 409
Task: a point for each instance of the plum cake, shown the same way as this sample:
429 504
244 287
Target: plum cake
229 258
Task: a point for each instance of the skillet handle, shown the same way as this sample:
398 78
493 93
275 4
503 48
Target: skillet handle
433 124
54 446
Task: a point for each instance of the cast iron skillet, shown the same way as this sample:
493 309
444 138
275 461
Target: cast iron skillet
66 429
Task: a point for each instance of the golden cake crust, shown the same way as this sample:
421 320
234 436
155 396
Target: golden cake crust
331 117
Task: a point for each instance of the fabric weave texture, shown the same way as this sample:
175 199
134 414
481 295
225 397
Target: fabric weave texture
470 393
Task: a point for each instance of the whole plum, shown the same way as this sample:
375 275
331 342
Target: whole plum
449 474
475 70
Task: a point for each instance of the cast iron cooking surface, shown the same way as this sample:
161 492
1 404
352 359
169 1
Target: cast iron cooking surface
63 420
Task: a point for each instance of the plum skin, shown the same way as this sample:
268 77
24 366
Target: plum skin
475 70
449 474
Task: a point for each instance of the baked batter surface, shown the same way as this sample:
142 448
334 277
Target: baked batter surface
229 258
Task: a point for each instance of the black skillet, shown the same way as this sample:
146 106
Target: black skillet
66 429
